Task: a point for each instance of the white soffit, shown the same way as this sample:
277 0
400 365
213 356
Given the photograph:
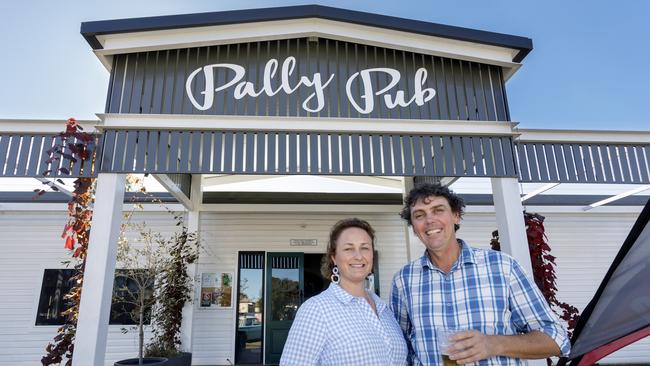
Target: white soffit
306 27
15 184
632 192
296 183
29 184
483 186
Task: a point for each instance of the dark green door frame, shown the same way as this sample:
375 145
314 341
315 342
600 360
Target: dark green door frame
284 294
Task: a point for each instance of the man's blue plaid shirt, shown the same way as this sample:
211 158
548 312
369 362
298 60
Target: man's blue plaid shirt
485 290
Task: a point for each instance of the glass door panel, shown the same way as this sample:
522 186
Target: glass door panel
250 307
284 291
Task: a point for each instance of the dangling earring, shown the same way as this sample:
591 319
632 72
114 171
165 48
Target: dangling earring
335 275
370 282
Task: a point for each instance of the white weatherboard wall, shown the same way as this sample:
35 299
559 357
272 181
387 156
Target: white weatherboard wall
225 234
31 244
584 243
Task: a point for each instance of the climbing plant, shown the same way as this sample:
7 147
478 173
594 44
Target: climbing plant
174 288
543 264
74 146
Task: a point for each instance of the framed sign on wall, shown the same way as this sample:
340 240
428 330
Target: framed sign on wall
216 290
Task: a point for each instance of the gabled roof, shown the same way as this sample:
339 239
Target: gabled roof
91 30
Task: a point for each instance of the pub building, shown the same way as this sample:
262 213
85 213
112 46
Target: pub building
266 126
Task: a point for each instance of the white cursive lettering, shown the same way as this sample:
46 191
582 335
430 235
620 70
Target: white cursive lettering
208 91
366 94
315 101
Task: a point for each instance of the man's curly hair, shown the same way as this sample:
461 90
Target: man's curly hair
425 190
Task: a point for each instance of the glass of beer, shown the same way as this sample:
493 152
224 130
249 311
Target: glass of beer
443 341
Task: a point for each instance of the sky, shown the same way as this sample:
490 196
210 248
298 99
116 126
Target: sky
589 69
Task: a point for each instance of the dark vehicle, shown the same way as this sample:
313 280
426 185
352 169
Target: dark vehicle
250 329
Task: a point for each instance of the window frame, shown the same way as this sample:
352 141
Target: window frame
60 320
39 320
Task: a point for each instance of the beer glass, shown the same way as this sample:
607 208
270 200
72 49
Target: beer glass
443 341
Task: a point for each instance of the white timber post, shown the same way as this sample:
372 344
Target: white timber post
193 225
96 293
511 226
510 220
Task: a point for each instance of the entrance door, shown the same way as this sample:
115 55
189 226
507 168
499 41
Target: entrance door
250 309
284 294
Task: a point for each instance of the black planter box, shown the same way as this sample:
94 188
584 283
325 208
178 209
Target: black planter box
149 361
182 359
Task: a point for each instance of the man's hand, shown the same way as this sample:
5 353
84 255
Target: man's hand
472 346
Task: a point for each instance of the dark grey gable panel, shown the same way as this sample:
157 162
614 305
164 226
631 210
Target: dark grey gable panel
310 153
155 82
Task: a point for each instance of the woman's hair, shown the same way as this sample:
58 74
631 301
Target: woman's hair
327 263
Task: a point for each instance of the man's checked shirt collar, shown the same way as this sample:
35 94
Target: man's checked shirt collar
466 257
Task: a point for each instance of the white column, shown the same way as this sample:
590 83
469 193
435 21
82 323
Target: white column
510 220
196 198
512 229
94 310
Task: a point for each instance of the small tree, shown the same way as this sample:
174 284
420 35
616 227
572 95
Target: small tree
174 290
142 265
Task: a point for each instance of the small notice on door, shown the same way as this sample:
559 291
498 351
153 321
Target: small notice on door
303 242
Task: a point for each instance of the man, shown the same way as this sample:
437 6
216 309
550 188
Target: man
502 315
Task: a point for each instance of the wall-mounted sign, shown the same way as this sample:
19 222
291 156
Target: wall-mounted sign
362 98
302 78
303 242
216 290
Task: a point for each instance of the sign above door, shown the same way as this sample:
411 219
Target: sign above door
306 77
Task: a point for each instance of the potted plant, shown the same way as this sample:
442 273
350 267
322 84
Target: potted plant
134 289
173 291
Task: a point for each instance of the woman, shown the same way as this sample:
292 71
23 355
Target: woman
345 324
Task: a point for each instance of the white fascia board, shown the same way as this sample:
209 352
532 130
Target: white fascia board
42 125
570 136
306 27
263 123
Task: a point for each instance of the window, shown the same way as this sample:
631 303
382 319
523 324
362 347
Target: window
127 288
57 283
51 304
